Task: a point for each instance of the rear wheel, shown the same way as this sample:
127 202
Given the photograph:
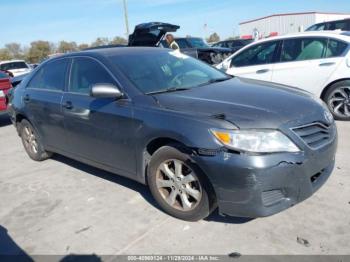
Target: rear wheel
32 143
179 186
337 98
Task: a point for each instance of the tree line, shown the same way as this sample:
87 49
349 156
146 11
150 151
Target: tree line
40 50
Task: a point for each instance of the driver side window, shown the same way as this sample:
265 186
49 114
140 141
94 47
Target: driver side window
258 54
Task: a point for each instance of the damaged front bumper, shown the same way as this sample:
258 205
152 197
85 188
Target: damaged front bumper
262 185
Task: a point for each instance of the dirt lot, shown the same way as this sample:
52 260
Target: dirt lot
61 207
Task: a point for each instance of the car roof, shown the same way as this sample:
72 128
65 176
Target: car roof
341 35
334 21
111 51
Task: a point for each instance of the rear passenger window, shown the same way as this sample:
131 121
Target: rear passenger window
335 48
52 76
300 49
87 72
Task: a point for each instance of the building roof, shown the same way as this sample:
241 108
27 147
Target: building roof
288 14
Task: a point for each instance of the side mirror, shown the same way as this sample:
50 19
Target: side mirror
106 91
226 64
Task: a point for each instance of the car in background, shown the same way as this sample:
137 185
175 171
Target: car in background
15 81
16 67
318 62
7 73
152 34
234 44
342 25
5 86
197 137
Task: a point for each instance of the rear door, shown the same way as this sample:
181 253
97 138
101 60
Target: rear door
43 97
98 129
307 62
255 62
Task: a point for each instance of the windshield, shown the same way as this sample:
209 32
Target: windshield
13 65
160 71
197 42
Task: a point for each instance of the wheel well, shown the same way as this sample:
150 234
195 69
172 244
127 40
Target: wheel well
324 91
157 143
19 118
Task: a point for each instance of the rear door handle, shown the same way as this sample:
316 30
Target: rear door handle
26 98
262 71
327 64
68 105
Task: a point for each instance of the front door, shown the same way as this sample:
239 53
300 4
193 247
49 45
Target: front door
98 129
255 62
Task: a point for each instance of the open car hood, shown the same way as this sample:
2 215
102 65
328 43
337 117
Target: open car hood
150 34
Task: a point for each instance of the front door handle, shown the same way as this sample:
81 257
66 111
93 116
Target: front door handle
262 71
327 64
26 98
68 105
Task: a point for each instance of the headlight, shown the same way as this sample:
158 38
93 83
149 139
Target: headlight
258 141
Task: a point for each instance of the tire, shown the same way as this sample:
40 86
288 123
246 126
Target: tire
170 187
32 143
337 98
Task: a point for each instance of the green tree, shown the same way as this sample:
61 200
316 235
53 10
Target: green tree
100 41
214 37
118 41
38 51
15 50
65 47
5 54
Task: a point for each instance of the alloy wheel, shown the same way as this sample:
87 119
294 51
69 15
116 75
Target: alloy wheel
339 101
30 141
178 185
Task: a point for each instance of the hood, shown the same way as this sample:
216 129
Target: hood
247 103
150 34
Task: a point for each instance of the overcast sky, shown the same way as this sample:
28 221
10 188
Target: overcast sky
24 21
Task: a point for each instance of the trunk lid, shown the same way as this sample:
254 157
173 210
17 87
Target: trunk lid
150 34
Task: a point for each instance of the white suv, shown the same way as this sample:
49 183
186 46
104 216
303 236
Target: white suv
318 62
16 67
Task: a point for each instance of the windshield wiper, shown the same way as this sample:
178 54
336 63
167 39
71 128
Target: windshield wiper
168 90
215 80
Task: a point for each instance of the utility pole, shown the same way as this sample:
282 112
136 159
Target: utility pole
126 18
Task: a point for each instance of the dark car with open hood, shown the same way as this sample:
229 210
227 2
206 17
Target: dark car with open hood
198 138
152 34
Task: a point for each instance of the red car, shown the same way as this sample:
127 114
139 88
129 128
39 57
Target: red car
5 86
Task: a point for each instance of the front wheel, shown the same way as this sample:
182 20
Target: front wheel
179 186
337 98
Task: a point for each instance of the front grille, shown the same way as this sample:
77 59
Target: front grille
315 135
